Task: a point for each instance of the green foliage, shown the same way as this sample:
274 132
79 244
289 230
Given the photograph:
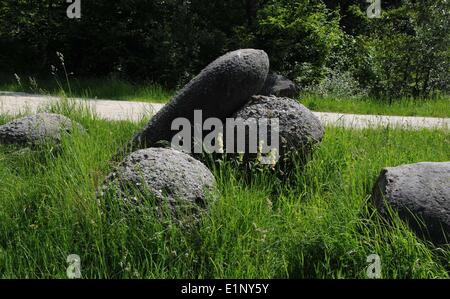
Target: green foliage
337 85
405 53
411 49
298 36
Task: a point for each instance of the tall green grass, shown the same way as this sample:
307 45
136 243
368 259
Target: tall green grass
320 224
94 88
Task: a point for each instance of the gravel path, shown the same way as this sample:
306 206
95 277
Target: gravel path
13 103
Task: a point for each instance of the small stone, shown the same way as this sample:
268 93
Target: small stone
37 129
277 85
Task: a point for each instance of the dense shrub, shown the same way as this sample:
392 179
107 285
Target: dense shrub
337 84
411 49
315 42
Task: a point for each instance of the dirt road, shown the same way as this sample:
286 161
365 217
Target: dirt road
15 103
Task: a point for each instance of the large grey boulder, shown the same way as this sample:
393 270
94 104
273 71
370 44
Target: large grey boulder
174 179
37 129
219 90
280 86
299 129
420 193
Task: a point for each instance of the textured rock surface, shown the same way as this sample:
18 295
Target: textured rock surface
219 90
279 86
417 190
299 128
36 129
172 177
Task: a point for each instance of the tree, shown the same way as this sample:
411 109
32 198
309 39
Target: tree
411 49
298 36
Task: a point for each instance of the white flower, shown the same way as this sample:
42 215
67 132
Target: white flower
220 143
273 157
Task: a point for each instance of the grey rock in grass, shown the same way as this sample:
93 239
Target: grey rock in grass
174 179
37 129
420 193
279 86
219 90
299 128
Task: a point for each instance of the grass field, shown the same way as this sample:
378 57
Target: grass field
114 89
439 107
320 224
149 92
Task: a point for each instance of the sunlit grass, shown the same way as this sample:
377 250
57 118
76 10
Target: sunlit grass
115 89
439 107
320 224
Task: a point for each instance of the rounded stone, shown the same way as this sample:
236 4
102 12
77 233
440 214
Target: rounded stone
280 86
420 193
174 179
37 129
299 128
219 90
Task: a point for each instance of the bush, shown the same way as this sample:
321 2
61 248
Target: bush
338 85
405 53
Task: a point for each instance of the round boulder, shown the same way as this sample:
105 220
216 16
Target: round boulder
279 86
36 129
174 179
219 90
298 128
420 193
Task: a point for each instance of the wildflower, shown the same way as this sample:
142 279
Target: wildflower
220 143
33 226
128 267
260 149
60 56
269 203
33 83
17 79
273 157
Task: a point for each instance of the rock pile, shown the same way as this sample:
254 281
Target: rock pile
221 91
279 86
224 89
218 91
